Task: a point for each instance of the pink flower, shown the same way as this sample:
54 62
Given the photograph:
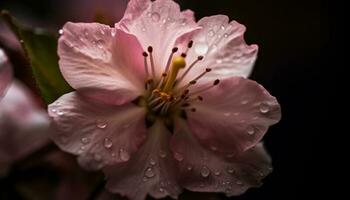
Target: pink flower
23 126
5 73
162 103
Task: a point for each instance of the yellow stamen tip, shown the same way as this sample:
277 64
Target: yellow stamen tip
178 62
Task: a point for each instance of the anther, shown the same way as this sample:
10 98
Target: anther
183 55
208 69
193 82
190 44
216 82
175 49
193 109
150 49
145 54
200 98
200 57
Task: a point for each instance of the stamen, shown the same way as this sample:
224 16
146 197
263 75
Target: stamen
150 50
189 68
216 82
174 50
202 74
189 45
177 64
145 55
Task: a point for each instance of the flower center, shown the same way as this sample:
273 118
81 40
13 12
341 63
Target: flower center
164 96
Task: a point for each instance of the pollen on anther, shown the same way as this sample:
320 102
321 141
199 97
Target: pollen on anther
216 82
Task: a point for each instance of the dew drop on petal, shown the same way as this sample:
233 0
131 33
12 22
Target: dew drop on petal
152 161
178 156
250 130
101 124
230 170
211 33
113 32
219 61
124 155
264 108
189 168
161 189
239 182
227 114
60 112
217 173
201 48
102 31
86 33
100 44
85 140
162 154
107 143
53 110
149 173
155 17
60 31
226 35
205 171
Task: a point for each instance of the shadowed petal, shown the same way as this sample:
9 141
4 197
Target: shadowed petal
158 24
23 126
5 72
150 171
101 62
243 110
222 44
202 170
101 134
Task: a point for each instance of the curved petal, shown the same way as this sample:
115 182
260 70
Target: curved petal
23 126
158 24
101 134
5 72
222 44
243 110
101 62
202 170
150 171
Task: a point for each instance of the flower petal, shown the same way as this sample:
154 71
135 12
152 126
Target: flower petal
101 134
158 24
243 110
150 171
202 170
222 44
5 72
102 62
23 126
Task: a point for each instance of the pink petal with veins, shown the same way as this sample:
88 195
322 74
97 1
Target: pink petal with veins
101 62
100 133
242 111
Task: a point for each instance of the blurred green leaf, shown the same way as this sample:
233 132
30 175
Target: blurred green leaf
41 49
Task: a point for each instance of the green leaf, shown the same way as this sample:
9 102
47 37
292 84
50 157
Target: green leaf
41 49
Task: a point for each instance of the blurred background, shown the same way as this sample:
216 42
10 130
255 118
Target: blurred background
299 62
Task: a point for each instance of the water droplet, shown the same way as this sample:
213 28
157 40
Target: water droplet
85 140
250 130
53 110
102 31
236 113
155 17
217 173
239 182
97 157
219 61
211 33
21 41
161 189
60 31
149 173
205 171
100 44
152 161
101 124
143 29
114 154
113 32
243 102
189 168
230 170
226 35
60 112
86 33
227 114
107 143
261 174
162 154
201 48
264 108
178 156
124 155
222 27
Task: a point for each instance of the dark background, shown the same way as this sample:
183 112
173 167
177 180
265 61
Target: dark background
299 62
